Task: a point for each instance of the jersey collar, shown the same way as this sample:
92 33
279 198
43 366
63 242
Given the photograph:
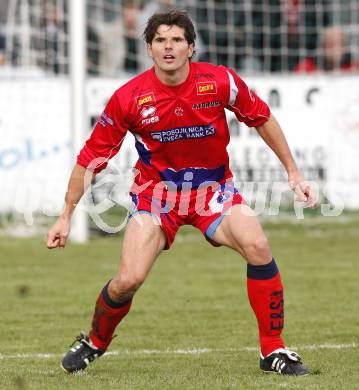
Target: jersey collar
172 89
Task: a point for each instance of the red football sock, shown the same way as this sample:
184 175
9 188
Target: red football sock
107 316
265 293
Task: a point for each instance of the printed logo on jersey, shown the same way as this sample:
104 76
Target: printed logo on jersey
105 120
179 111
200 106
156 136
145 100
206 88
148 111
153 119
181 133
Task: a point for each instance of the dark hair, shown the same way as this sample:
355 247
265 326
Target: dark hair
171 18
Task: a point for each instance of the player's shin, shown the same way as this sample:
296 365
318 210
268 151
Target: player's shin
265 293
108 314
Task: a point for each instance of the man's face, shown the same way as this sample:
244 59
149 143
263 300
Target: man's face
169 49
334 46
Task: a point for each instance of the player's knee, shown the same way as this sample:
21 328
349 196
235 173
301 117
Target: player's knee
126 284
130 282
257 250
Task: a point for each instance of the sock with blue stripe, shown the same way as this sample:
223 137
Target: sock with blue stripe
265 293
106 317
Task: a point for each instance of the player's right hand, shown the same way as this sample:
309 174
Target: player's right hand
304 193
58 234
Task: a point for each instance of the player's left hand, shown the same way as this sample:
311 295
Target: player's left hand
58 234
302 189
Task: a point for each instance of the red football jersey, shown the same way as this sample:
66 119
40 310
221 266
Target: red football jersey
181 131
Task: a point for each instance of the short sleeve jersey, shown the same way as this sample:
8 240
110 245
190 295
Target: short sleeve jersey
181 131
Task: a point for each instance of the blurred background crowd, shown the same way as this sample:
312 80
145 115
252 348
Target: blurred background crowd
301 36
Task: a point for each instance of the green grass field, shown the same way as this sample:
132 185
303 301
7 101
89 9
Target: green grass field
191 326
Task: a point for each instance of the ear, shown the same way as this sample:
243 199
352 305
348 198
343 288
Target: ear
191 50
149 50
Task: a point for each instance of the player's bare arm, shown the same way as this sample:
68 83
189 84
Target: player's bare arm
58 234
273 135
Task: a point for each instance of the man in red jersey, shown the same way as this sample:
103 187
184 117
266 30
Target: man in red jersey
176 113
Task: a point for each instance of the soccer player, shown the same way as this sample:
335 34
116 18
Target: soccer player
176 113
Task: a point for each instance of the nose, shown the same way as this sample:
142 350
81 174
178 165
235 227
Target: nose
168 44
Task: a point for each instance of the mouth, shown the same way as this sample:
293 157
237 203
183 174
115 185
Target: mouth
169 58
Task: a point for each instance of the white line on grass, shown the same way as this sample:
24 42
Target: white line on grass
191 351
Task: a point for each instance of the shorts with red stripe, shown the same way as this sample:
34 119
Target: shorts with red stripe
203 208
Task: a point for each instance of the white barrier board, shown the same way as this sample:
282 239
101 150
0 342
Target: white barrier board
320 117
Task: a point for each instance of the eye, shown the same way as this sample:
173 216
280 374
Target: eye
178 39
159 39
